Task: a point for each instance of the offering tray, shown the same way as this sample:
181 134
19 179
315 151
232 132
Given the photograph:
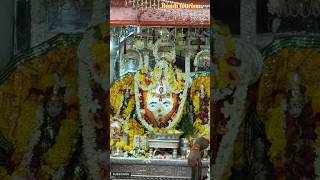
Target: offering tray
166 135
162 143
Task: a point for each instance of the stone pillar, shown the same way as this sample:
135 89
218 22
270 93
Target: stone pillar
187 62
146 59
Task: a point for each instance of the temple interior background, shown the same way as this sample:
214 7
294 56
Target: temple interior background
227 89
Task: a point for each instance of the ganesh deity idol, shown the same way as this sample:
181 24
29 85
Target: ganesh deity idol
159 106
161 92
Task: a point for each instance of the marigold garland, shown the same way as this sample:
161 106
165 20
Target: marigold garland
25 83
176 84
275 132
197 82
277 74
99 53
196 104
195 87
117 98
130 107
24 130
134 129
200 129
60 153
304 61
146 79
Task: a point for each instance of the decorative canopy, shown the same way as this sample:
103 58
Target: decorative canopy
121 14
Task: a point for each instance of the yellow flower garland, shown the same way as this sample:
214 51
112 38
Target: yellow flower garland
60 153
39 74
127 148
277 75
196 104
57 156
116 97
99 53
278 68
120 144
130 107
223 80
25 129
205 81
134 129
200 129
175 84
154 78
275 131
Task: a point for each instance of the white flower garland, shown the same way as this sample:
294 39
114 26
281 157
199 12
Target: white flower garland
227 143
250 56
88 131
218 95
205 52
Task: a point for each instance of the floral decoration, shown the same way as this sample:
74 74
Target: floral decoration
276 134
171 82
117 97
33 82
291 138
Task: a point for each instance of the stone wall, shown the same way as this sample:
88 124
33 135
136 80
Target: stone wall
39 19
6 35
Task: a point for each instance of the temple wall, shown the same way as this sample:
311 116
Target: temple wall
39 19
6 35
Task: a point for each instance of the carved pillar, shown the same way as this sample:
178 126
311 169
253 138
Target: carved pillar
146 57
187 63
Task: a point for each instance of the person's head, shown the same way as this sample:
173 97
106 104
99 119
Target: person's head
55 103
296 106
54 107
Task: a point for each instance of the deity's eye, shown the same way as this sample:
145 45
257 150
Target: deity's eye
153 104
166 103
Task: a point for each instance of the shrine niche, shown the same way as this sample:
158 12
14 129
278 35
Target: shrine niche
67 16
161 93
40 131
155 91
155 96
288 106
